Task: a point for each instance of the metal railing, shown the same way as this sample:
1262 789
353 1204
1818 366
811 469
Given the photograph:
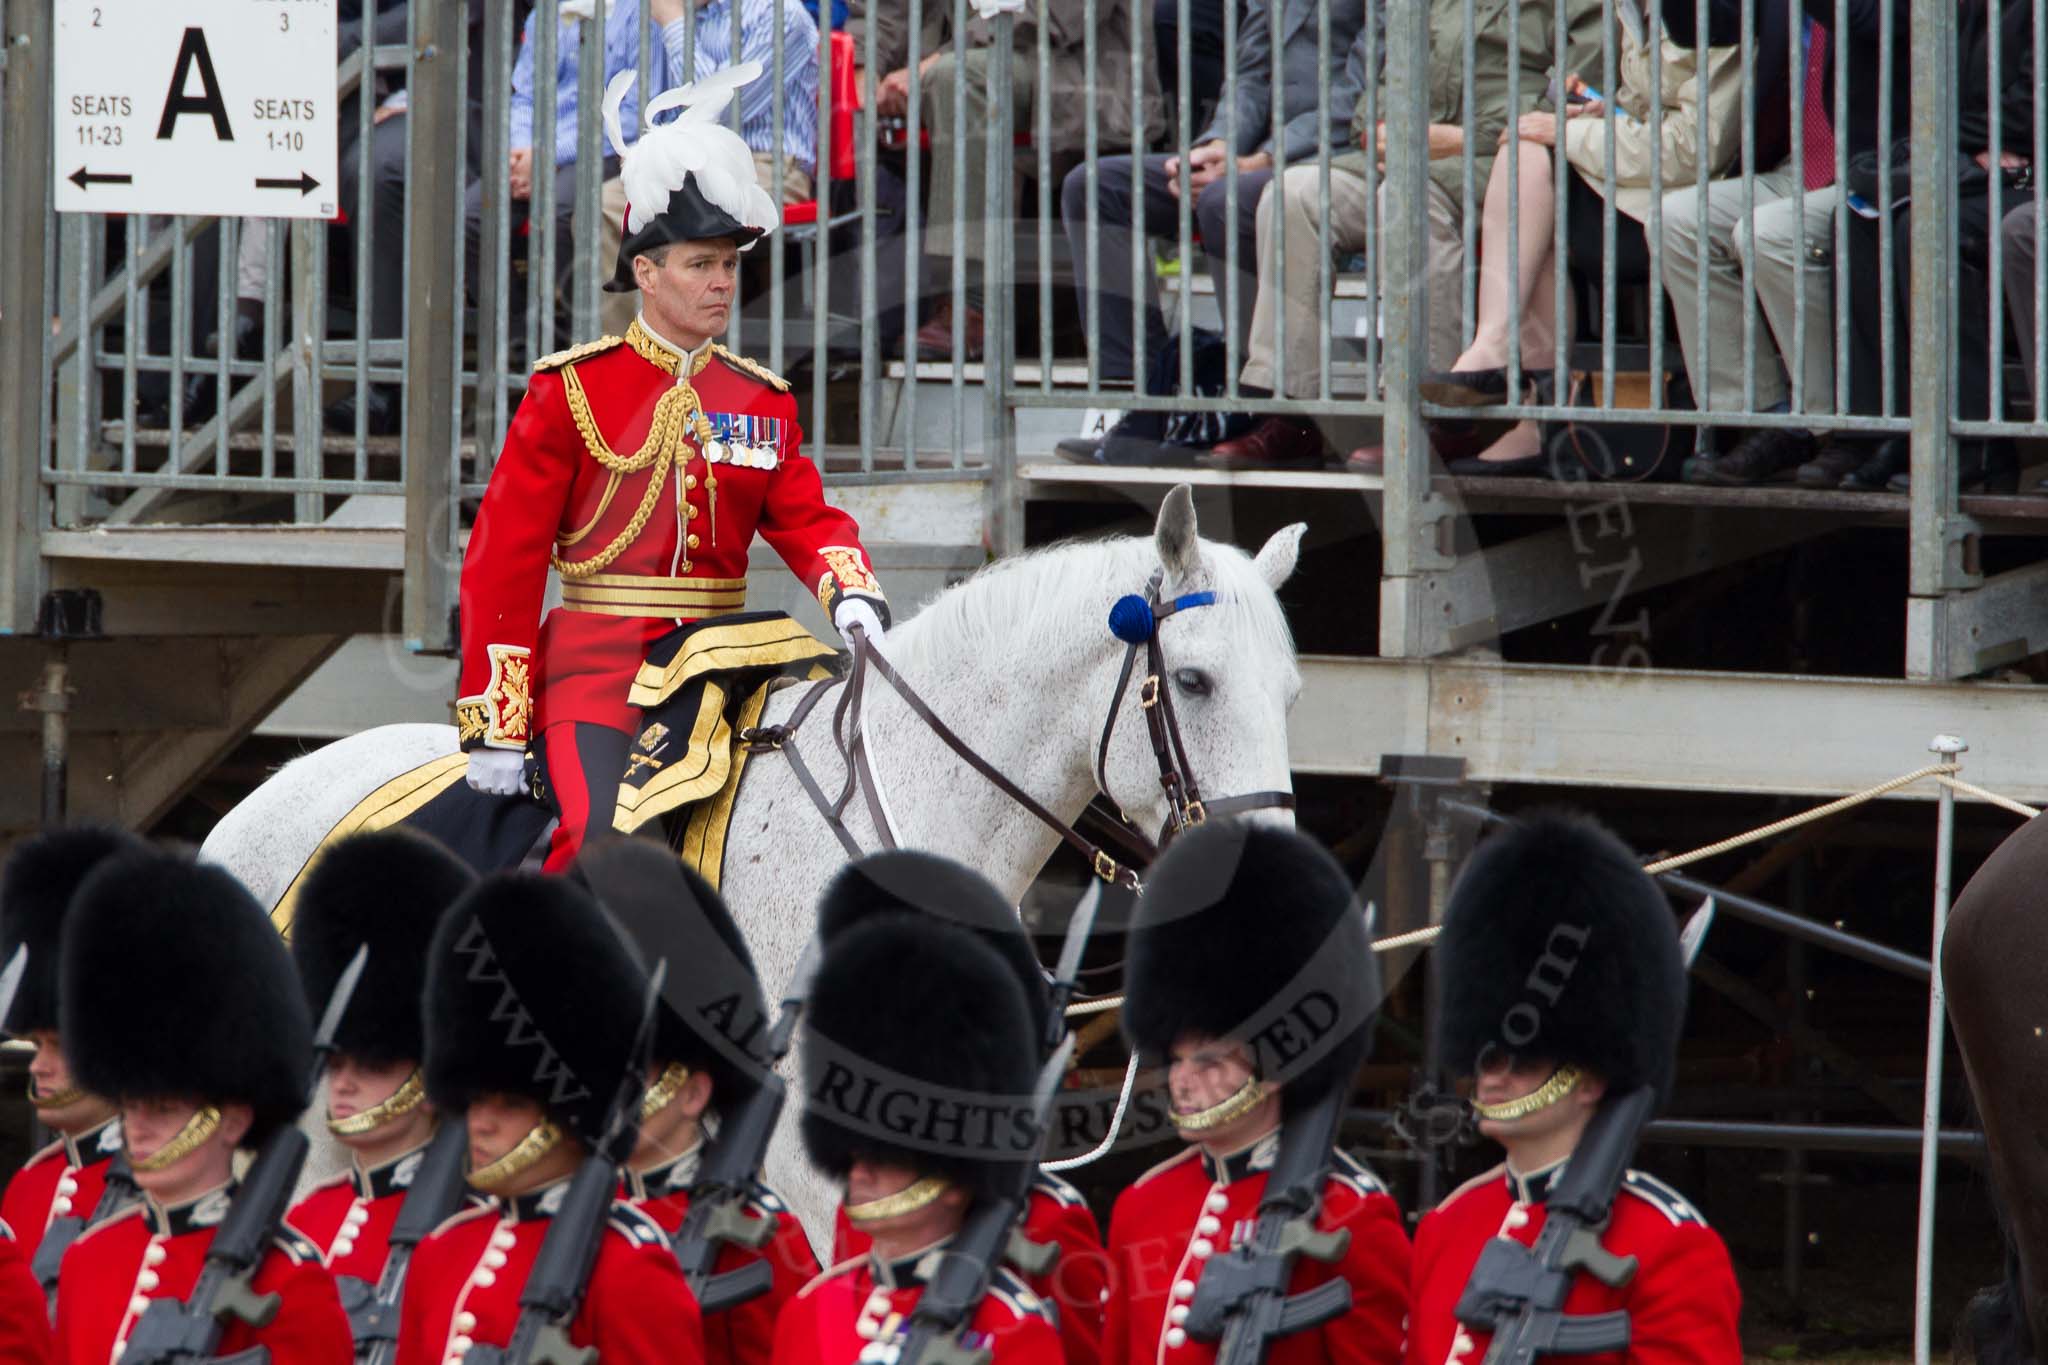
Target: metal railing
1382 244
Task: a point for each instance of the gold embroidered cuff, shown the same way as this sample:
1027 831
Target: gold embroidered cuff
501 716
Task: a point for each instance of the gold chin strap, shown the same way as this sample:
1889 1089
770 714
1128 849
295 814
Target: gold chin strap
397 1104
909 1199
1248 1097
56 1099
536 1144
197 1132
1561 1083
666 1087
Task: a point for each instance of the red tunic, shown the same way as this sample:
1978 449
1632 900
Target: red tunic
464 1281
1683 1303
63 1180
519 674
349 1219
838 1315
1078 1282
146 1252
1166 1226
24 1312
744 1335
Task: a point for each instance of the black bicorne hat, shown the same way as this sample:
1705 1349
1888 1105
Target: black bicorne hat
533 990
174 983
712 1015
920 1050
687 217
42 875
1557 946
1254 934
386 889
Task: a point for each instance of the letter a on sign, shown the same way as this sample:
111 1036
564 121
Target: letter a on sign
193 56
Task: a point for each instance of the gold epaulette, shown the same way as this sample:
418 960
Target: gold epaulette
746 366
576 353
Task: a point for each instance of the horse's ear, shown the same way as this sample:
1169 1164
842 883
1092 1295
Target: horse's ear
1278 556
1180 551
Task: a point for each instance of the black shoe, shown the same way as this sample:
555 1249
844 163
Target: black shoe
1758 457
1137 438
1834 463
1477 388
1892 456
1992 466
1536 466
382 412
199 395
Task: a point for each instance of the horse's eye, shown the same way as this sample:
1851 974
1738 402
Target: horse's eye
1193 682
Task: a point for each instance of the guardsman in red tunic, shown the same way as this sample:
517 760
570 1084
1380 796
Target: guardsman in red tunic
1249 974
1077 1281
711 1008
179 1001
61 1185
385 890
1563 981
913 1027
532 1004
640 468
24 1313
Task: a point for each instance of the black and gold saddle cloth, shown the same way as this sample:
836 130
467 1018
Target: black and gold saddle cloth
701 685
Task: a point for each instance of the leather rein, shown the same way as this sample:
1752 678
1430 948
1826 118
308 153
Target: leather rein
1184 798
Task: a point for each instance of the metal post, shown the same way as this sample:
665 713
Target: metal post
24 329
1411 513
434 323
52 700
998 280
1436 851
585 211
1947 749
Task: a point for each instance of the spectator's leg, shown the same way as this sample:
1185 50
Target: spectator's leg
1793 250
1686 257
797 184
1301 242
969 191
1212 218
1505 297
1121 181
1974 316
2016 233
615 311
1764 245
1446 266
387 225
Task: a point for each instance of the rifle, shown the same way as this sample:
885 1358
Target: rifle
436 1193
184 1331
1241 1300
991 1234
568 1253
718 1196
1517 1293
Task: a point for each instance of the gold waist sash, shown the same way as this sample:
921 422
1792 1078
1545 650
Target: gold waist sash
618 594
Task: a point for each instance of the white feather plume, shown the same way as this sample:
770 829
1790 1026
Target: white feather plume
693 143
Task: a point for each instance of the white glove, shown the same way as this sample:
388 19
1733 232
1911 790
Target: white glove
857 611
497 772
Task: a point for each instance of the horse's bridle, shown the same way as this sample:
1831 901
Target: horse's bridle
1135 620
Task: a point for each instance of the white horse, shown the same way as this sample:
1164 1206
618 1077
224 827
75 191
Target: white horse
1018 660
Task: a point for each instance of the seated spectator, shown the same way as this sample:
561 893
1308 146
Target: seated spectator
953 60
2016 232
1786 255
785 170
1205 54
1127 184
1992 464
1522 285
1282 441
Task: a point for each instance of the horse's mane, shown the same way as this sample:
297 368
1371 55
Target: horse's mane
1041 593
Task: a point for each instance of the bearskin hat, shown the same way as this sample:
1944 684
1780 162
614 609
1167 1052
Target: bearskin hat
1253 933
174 982
1557 945
711 1005
387 889
532 989
41 876
903 879
920 1050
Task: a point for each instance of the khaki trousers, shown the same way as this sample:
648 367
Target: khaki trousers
1301 243
615 311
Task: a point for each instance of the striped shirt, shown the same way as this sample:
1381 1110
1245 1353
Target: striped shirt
714 43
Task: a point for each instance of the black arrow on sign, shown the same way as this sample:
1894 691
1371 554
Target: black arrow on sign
305 184
85 179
